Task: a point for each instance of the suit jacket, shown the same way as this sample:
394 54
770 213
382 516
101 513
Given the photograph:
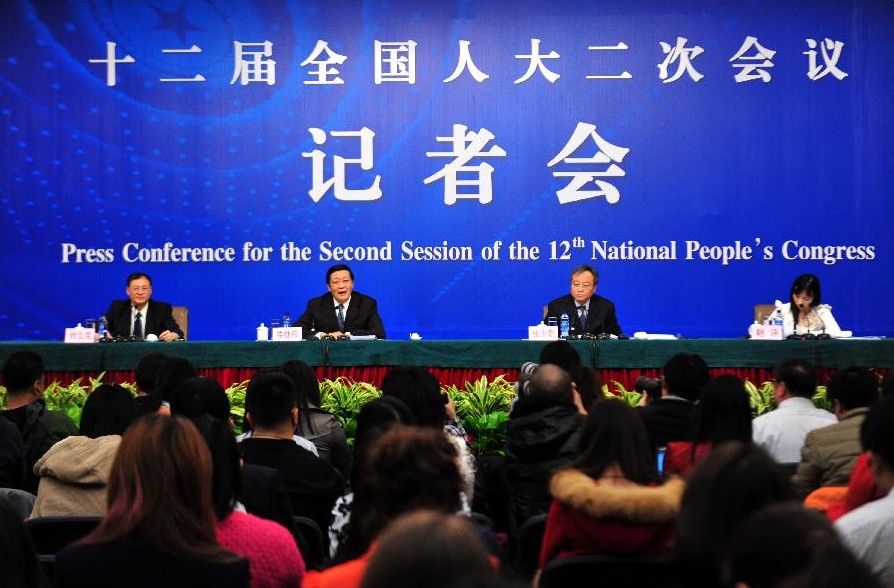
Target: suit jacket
600 316
159 318
362 317
668 419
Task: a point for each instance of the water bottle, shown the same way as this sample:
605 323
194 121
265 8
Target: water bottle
103 327
286 320
564 326
777 318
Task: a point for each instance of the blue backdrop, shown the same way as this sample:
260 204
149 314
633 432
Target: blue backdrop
129 125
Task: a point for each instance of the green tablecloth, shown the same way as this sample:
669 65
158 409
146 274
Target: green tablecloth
459 354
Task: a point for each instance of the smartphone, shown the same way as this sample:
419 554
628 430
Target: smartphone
659 455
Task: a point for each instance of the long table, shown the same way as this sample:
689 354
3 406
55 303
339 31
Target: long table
453 361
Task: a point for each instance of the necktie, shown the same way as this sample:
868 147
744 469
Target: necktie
582 313
138 326
340 311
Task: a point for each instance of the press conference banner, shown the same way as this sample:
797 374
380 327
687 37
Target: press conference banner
461 157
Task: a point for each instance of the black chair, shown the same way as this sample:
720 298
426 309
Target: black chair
530 539
310 541
52 534
652 571
21 501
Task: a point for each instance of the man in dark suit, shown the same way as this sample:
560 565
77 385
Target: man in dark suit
587 312
672 418
342 311
139 315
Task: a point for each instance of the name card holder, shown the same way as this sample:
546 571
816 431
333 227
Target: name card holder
543 332
765 332
80 334
286 334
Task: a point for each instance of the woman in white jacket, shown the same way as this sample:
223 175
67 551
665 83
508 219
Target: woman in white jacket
805 313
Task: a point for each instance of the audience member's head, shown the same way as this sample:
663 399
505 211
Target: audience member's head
420 390
551 381
147 371
588 384
613 434
270 402
650 388
23 374
198 396
306 384
785 545
443 549
407 469
685 375
160 491
19 567
888 384
733 481
227 466
853 387
877 436
109 410
798 376
374 419
171 374
724 412
560 353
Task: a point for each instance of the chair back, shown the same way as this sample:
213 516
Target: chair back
762 311
181 315
52 534
530 539
646 571
310 543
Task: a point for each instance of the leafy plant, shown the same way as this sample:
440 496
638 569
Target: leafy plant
483 409
70 399
631 397
343 398
236 394
821 400
760 398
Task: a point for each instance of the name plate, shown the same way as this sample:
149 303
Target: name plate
765 332
543 332
286 334
80 334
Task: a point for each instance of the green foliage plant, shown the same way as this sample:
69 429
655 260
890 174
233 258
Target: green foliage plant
631 397
343 398
483 409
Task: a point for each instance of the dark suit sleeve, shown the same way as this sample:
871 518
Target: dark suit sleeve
611 320
308 320
368 322
116 320
164 320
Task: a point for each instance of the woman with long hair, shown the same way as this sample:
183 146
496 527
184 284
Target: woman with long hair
159 528
722 414
805 312
611 500
315 424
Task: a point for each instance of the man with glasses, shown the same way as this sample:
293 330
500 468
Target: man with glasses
139 316
589 313
341 312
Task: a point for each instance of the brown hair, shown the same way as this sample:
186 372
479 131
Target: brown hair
160 491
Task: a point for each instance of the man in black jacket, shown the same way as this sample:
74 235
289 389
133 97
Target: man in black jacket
542 437
672 418
341 311
139 315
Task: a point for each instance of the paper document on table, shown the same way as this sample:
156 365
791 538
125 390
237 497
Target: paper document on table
653 336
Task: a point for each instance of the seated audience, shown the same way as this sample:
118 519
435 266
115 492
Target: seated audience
74 473
146 374
273 557
542 436
442 549
408 469
723 414
560 353
430 407
159 527
314 423
13 457
610 500
587 387
649 388
271 409
261 490
734 480
782 432
672 417
868 530
788 546
374 419
40 428
19 567
829 452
